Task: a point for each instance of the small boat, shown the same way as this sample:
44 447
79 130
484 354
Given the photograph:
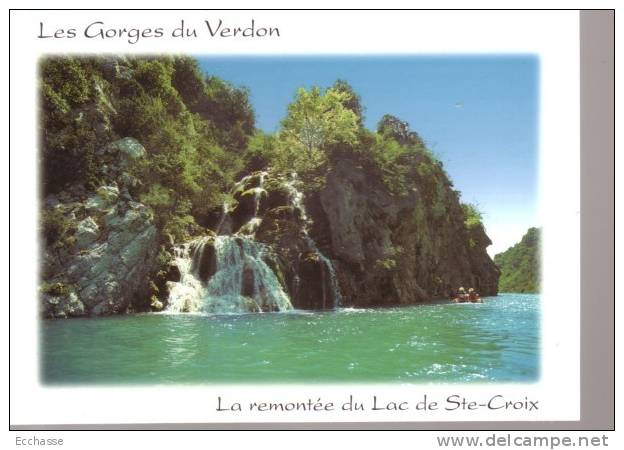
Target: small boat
465 300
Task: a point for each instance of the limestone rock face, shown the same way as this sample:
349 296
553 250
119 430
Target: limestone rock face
313 287
128 147
206 264
354 236
103 273
87 232
349 240
393 249
63 305
103 263
281 224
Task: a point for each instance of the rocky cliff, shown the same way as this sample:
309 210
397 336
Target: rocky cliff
105 243
141 210
134 151
394 249
348 242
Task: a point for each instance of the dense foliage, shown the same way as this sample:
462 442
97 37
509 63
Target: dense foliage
199 135
194 128
520 264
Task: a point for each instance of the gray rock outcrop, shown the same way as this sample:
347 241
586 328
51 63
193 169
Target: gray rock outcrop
103 261
392 249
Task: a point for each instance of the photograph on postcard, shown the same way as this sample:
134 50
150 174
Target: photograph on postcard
289 219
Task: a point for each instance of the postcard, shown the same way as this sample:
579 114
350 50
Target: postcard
294 217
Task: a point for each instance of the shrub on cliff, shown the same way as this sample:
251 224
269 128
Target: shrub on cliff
472 216
55 227
398 130
405 162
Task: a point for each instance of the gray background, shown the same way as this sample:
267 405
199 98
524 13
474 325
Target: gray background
597 129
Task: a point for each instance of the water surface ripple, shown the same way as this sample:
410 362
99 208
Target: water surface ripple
497 341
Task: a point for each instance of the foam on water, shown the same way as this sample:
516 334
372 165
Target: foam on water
242 282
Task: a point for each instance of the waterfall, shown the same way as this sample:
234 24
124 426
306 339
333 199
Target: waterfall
242 281
224 227
186 294
333 281
228 273
296 199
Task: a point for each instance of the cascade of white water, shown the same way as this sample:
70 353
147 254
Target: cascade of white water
252 225
225 209
333 281
296 199
258 191
242 281
186 294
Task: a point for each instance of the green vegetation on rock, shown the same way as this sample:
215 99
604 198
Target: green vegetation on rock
194 129
140 153
520 264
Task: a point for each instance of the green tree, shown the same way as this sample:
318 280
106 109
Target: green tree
398 130
226 108
189 81
352 101
317 119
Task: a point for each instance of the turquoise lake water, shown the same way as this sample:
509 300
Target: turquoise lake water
497 341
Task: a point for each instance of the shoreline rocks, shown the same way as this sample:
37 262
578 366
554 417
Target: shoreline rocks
350 242
105 245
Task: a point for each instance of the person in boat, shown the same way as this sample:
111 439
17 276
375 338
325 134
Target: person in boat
461 296
473 296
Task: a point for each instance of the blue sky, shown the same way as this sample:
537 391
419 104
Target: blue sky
478 114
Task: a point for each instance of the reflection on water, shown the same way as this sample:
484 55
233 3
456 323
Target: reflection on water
180 345
441 342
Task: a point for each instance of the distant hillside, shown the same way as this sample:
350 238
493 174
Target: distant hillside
520 264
